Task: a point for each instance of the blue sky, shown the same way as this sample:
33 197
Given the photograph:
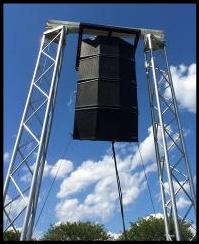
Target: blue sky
23 27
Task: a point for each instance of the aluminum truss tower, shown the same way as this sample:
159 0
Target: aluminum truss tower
23 180
28 157
176 183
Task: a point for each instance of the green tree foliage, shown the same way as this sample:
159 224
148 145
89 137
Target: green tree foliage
152 229
11 235
76 231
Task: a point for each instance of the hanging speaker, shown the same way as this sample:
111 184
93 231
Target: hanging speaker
106 100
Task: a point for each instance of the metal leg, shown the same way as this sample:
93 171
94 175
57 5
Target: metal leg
173 167
30 148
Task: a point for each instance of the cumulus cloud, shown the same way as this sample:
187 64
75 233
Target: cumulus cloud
176 186
157 215
6 156
147 150
12 229
182 202
193 229
71 100
114 235
16 206
69 103
123 148
184 81
26 177
60 169
96 179
101 202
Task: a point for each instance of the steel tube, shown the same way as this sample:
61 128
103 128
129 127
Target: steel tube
157 156
39 155
170 182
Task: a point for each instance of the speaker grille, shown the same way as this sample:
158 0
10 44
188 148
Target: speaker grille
106 102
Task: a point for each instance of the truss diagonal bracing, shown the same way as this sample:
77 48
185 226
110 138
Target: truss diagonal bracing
25 171
176 183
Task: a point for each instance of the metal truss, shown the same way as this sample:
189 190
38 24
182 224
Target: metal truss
175 178
23 181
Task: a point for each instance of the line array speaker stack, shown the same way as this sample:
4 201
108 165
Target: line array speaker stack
106 101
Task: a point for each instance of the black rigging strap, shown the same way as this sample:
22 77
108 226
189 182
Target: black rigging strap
119 191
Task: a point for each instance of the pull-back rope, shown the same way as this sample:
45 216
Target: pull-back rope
149 190
119 191
52 184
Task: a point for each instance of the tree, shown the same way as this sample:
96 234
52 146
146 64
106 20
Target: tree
11 235
152 229
76 231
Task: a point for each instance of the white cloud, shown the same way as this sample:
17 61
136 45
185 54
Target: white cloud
26 177
123 148
6 156
176 186
182 202
61 169
101 202
47 169
71 99
147 150
114 235
38 234
184 81
16 206
157 215
193 229
14 209
69 102
17 228
89 172
57 223
100 175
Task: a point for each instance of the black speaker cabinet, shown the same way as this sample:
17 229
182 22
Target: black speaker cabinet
106 101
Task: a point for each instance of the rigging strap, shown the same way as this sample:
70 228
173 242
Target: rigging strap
119 191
